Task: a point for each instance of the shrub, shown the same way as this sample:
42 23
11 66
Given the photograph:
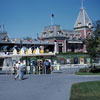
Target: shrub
84 70
95 69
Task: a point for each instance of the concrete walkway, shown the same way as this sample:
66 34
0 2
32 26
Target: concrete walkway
41 87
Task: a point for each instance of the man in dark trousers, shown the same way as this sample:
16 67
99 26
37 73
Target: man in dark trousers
47 64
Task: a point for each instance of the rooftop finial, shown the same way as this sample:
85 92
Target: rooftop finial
82 4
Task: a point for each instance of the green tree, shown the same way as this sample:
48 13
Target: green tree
93 44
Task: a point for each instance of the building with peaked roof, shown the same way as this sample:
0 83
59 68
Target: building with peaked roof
84 25
70 40
56 39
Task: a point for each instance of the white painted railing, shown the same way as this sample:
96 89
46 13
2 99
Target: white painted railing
10 54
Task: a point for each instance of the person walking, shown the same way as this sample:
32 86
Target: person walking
19 68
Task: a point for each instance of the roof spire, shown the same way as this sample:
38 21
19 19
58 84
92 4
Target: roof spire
82 3
82 20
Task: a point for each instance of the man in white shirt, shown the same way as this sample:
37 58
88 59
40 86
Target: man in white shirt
19 71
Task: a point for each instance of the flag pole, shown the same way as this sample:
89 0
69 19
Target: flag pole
51 21
52 16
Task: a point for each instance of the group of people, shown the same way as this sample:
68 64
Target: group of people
42 67
48 66
19 70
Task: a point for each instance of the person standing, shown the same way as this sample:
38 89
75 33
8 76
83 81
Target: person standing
22 69
28 69
46 63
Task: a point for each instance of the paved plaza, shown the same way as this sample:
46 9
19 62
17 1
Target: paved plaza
55 86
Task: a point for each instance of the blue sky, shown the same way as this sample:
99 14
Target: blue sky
24 18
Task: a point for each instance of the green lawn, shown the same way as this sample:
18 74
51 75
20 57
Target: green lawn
86 73
86 91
